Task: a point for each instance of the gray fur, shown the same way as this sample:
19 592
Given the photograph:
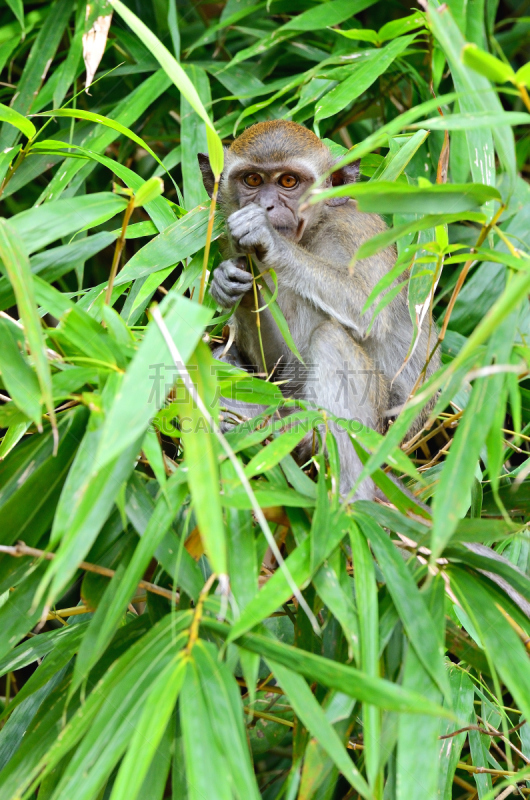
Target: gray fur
348 371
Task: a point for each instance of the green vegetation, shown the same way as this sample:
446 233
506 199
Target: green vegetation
150 647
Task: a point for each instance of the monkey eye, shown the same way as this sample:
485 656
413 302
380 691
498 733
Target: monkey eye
288 181
253 179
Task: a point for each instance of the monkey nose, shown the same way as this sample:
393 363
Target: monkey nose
267 203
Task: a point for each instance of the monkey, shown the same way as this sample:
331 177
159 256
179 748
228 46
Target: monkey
354 372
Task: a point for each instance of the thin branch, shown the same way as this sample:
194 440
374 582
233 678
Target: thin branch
119 249
21 549
484 770
197 614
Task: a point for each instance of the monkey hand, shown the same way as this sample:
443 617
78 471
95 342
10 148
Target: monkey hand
230 282
253 233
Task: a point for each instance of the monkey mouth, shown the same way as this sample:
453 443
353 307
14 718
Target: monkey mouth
289 231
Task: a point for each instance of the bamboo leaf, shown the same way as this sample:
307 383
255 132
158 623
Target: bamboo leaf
173 69
337 676
120 590
501 642
393 198
16 266
138 399
311 714
409 602
362 78
18 377
25 125
486 64
149 730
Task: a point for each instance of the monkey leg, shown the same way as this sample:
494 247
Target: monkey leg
343 379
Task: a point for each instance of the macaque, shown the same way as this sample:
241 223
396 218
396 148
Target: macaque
353 373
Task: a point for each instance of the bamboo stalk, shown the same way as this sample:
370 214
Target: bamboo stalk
209 230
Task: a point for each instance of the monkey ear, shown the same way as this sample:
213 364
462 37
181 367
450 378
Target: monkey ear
347 174
207 174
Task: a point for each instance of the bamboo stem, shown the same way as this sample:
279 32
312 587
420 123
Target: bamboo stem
118 250
209 230
461 278
258 320
197 616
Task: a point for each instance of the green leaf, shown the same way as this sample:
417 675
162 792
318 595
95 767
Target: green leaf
148 192
104 724
204 762
78 329
397 27
223 701
418 743
341 677
62 651
149 730
383 240
450 749
327 15
122 587
399 160
202 457
14 433
178 241
501 642
17 8
18 377
522 76
341 605
277 590
475 94
37 647
408 601
368 611
126 113
398 198
44 224
90 116
279 319
173 557
281 446
193 139
179 78
361 79
16 265
20 613
452 497
485 64
479 119
31 478
313 717
150 376
85 503
157 207
40 744
37 64
360 35
25 125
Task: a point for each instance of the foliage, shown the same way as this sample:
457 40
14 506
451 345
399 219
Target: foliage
149 646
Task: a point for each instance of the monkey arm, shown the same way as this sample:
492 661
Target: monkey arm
326 284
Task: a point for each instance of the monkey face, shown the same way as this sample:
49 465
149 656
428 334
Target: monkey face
277 189
272 165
